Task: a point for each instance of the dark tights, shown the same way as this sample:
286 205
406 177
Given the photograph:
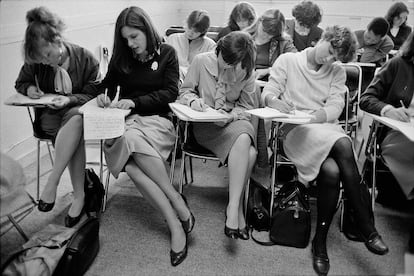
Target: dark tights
340 166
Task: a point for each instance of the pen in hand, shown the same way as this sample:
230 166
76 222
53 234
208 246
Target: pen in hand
105 97
406 111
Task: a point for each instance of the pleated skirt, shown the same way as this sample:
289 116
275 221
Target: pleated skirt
150 135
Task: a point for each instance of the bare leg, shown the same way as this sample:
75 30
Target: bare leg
151 190
155 169
77 175
239 163
67 142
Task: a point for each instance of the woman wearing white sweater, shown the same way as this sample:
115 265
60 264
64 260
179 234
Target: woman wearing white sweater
310 81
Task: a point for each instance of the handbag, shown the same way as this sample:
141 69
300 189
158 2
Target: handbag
291 221
257 215
94 192
56 250
81 250
290 224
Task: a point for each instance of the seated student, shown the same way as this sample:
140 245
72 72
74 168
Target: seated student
397 18
303 29
270 41
242 16
193 41
310 81
224 80
53 65
390 94
149 134
374 43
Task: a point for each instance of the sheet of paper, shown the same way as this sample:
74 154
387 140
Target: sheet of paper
22 100
271 113
406 128
102 123
186 113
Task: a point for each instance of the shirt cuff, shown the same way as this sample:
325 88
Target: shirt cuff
385 109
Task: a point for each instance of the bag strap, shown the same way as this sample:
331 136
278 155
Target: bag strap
265 243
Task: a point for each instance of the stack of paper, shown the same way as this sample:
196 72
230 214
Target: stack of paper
22 100
102 123
185 113
296 116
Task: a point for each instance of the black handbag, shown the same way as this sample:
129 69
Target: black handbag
81 250
291 221
257 215
94 192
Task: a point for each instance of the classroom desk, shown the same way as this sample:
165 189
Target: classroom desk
405 128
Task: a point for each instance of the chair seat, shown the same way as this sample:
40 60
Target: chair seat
196 149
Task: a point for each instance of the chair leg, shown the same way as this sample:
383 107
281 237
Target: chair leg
17 226
181 179
105 199
50 154
38 172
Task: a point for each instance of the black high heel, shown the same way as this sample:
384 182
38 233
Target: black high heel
44 206
243 233
230 232
72 221
320 262
188 224
178 257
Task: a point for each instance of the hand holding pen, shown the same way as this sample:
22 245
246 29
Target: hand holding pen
399 114
34 92
103 100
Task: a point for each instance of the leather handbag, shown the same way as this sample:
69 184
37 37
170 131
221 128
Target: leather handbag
94 192
257 214
81 250
291 221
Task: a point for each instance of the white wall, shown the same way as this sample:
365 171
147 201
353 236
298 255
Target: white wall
91 23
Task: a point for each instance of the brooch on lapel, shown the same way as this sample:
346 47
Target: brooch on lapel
154 66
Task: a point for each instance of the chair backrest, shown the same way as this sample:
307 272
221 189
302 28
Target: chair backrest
212 33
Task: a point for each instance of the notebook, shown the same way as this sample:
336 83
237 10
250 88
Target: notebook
187 114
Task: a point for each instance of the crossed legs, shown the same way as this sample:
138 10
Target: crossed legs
69 151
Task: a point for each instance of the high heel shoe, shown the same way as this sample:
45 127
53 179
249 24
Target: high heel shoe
188 224
72 221
320 262
375 244
44 206
230 232
243 233
178 257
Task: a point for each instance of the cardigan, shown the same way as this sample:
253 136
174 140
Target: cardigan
291 80
374 53
394 82
278 47
403 32
83 71
150 85
203 77
312 38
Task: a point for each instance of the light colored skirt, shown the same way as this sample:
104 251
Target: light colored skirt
398 153
307 146
150 135
220 140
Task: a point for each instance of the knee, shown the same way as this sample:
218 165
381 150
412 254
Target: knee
329 173
344 147
243 141
77 121
252 154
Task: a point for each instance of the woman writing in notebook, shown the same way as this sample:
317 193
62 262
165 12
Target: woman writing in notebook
55 66
146 72
224 80
320 150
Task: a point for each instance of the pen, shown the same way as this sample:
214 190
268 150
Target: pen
116 95
106 95
402 104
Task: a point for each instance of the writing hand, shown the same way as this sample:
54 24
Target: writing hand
399 114
198 105
280 105
103 101
34 93
59 102
123 104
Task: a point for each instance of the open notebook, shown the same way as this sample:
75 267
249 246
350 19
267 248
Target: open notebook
22 100
102 123
296 116
185 113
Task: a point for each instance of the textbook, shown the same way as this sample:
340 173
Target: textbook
22 100
102 123
187 114
271 113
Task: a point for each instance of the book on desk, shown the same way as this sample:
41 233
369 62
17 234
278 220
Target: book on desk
186 113
102 123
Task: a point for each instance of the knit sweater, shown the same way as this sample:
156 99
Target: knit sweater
291 80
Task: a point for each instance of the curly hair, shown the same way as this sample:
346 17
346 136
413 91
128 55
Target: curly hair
242 10
42 27
395 10
199 20
307 13
343 40
238 46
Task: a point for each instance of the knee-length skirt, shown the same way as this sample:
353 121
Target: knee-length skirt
150 135
219 139
307 146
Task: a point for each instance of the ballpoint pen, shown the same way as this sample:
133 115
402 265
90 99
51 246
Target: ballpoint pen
106 95
116 99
